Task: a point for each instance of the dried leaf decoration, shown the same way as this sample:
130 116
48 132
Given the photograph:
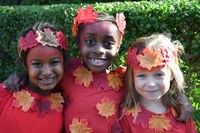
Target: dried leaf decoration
115 81
174 113
106 108
47 37
159 123
24 99
56 101
133 111
80 126
83 76
150 58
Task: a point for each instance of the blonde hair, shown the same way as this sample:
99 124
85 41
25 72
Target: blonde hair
170 99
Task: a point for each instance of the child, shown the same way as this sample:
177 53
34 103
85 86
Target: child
94 92
38 107
154 83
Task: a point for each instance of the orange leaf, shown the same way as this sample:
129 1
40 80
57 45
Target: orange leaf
159 123
115 81
133 111
80 126
150 58
106 108
56 100
24 99
83 76
174 113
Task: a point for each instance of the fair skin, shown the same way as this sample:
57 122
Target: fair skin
45 69
151 86
99 44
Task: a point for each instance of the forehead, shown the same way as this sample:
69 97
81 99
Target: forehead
44 53
101 28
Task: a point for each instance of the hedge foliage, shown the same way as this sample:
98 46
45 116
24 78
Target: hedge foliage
143 18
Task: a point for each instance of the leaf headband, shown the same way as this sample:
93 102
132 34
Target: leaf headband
149 58
45 38
88 16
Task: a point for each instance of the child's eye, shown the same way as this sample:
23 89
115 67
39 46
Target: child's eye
109 44
140 75
55 62
90 42
158 75
36 64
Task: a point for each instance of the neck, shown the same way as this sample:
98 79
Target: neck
37 90
155 106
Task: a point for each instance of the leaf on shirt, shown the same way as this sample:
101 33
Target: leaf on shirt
115 81
106 108
83 76
174 113
80 126
23 99
56 101
159 123
133 111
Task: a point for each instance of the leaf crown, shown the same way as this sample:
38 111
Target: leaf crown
149 58
46 37
87 15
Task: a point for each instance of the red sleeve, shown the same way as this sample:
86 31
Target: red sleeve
4 96
191 127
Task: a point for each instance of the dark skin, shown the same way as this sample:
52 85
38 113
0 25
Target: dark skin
18 80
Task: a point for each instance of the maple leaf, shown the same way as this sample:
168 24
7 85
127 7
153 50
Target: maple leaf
115 81
83 76
24 99
150 58
56 101
42 106
61 40
80 126
100 83
47 37
106 108
29 41
174 113
121 23
133 111
159 123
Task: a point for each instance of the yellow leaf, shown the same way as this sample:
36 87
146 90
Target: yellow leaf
115 81
83 76
24 99
150 58
106 108
159 123
56 101
133 111
80 126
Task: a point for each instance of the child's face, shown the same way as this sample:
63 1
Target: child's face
45 67
99 44
153 84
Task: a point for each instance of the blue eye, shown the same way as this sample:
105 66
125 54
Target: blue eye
90 42
140 75
158 75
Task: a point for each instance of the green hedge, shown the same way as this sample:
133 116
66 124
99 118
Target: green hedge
143 18
181 18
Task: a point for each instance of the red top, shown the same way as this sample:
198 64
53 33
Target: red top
28 112
94 99
149 122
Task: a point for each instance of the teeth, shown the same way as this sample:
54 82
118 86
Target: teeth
47 80
98 60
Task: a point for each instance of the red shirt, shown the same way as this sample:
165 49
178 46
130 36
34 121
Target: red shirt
14 120
94 99
148 122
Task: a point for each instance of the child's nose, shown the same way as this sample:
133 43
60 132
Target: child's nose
46 70
151 82
100 49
